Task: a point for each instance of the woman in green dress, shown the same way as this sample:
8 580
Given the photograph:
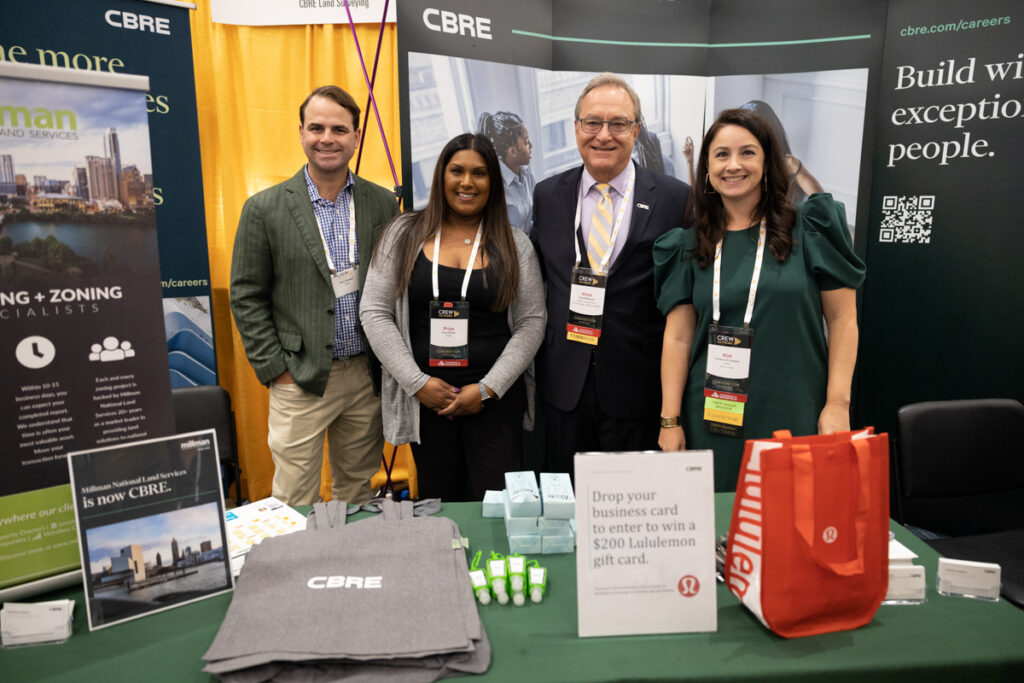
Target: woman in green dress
781 271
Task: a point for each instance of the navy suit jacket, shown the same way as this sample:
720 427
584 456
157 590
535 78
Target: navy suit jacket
628 356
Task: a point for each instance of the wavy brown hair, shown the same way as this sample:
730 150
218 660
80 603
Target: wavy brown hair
502 272
705 204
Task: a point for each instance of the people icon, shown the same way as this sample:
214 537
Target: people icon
110 350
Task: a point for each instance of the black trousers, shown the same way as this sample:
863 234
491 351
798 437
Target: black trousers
460 459
589 427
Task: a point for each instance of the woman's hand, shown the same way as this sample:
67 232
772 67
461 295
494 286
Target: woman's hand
801 176
467 402
675 368
436 394
835 417
839 306
672 439
793 165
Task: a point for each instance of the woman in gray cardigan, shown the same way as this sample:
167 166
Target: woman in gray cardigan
459 394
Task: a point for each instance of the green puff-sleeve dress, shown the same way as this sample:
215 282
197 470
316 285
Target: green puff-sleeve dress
789 358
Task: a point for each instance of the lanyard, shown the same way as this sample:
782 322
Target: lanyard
618 222
351 233
716 290
469 268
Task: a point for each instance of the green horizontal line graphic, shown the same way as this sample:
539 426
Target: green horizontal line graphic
641 43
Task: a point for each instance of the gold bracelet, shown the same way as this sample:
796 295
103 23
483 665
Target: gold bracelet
668 422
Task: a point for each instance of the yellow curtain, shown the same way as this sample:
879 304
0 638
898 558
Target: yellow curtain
249 84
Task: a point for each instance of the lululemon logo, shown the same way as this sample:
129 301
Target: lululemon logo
829 535
689 586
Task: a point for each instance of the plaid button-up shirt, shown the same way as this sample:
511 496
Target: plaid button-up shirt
335 221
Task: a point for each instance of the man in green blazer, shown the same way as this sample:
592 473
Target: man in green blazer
299 263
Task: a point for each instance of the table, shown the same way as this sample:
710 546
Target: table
944 639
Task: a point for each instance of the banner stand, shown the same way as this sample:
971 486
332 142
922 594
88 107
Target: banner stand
44 585
82 342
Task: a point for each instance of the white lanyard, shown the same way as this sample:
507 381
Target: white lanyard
351 234
603 267
716 289
469 268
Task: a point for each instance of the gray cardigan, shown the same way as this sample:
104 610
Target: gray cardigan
386 324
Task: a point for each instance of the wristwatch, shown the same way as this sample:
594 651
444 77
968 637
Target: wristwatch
484 395
669 422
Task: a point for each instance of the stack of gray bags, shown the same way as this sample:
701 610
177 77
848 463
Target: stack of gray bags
384 598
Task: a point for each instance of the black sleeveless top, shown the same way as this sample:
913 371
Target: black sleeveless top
488 330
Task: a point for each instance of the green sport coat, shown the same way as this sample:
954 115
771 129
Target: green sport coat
281 294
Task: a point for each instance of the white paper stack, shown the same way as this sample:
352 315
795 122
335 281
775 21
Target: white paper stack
900 555
24 623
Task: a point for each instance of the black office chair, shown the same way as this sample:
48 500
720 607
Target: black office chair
206 407
960 473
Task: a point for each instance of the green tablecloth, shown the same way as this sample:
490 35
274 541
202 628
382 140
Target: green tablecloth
944 639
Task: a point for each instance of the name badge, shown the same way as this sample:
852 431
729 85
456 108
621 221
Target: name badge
449 334
344 282
586 306
727 379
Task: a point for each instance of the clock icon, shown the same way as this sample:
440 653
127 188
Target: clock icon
35 352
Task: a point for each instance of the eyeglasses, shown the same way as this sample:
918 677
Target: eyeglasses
616 126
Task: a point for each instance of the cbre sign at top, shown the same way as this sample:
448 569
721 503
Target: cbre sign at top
444 21
138 22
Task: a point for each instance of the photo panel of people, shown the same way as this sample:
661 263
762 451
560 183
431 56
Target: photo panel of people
528 114
151 526
818 119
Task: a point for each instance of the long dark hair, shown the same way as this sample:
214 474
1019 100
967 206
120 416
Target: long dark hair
502 128
497 241
705 203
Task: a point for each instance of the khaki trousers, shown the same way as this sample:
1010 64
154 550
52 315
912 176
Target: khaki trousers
348 414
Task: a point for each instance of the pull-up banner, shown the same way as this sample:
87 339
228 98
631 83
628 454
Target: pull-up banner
80 322
153 39
943 296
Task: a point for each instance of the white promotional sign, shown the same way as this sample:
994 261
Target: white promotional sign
645 558
291 12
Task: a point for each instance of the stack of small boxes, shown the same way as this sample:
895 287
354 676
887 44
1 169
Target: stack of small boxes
537 519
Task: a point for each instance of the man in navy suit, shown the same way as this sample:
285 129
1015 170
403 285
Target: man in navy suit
594 227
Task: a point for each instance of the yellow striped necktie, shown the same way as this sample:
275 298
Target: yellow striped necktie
600 240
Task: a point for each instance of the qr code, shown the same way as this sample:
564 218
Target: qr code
907 220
